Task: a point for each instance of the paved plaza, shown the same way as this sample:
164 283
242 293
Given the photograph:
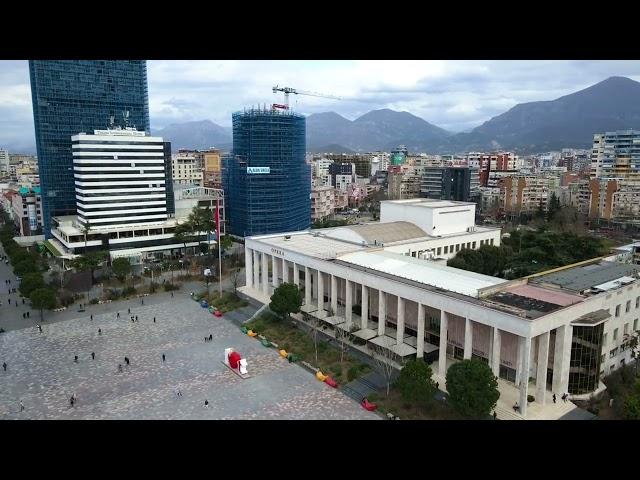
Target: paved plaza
41 371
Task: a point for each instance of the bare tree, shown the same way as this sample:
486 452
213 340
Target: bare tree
632 343
314 323
235 278
383 358
341 337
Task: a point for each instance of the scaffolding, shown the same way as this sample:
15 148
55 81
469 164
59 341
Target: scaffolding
266 179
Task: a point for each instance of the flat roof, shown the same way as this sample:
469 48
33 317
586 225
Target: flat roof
429 203
422 271
385 232
592 318
315 244
580 278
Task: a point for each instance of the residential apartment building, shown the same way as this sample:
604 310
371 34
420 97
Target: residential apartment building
212 165
322 203
450 183
617 155
187 168
525 194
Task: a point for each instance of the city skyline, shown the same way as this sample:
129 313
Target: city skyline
455 95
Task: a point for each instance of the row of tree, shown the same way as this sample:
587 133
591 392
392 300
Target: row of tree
29 265
527 252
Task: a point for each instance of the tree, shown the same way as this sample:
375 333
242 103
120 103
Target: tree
341 336
235 279
89 261
121 268
632 344
473 388
631 408
286 299
43 299
415 383
30 282
382 357
25 266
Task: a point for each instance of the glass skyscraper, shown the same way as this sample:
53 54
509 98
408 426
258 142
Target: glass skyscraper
267 181
74 96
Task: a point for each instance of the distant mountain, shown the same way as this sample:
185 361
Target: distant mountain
377 130
568 121
196 135
333 148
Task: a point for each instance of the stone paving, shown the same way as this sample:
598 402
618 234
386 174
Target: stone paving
42 373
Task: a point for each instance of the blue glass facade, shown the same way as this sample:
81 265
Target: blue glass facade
73 96
266 180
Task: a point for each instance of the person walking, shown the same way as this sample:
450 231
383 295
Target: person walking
206 403
128 310
142 301
154 319
126 360
24 316
39 328
4 366
23 301
554 398
178 393
120 368
21 406
9 300
210 337
132 319
99 331
171 294
117 314
93 355
28 315
92 316
136 318
75 359
495 415
163 358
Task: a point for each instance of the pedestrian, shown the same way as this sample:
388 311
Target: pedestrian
126 360
23 301
71 401
4 366
9 300
99 331
206 403
178 392
28 315
75 359
21 406
120 367
39 328
154 319
136 318
554 398
24 316
91 317
117 314
495 415
163 357
93 355
128 310
210 337
171 294
142 301
132 319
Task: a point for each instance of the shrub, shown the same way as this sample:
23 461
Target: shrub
531 398
372 397
168 287
336 368
152 287
353 373
113 294
93 301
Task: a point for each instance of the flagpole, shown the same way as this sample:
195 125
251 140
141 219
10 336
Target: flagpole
219 245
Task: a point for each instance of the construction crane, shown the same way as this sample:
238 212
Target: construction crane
289 90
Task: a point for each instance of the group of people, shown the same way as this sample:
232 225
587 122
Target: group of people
564 397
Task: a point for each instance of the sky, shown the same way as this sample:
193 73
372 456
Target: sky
455 95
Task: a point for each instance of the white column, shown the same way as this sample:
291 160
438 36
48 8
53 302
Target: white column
256 269
420 340
307 286
285 271
525 344
382 311
468 339
541 374
274 271
519 362
442 354
334 294
349 303
364 323
296 275
400 321
320 291
265 274
496 345
561 359
248 267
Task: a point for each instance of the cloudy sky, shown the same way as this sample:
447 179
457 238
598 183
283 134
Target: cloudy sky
455 95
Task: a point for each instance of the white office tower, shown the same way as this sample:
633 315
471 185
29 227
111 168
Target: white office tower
119 177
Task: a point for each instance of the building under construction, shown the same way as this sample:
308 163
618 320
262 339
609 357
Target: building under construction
267 181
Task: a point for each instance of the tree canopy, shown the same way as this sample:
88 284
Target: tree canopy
286 299
43 299
90 261
121 268
30 282
473 388
528 252
415 383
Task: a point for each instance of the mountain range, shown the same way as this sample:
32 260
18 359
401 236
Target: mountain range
568 121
